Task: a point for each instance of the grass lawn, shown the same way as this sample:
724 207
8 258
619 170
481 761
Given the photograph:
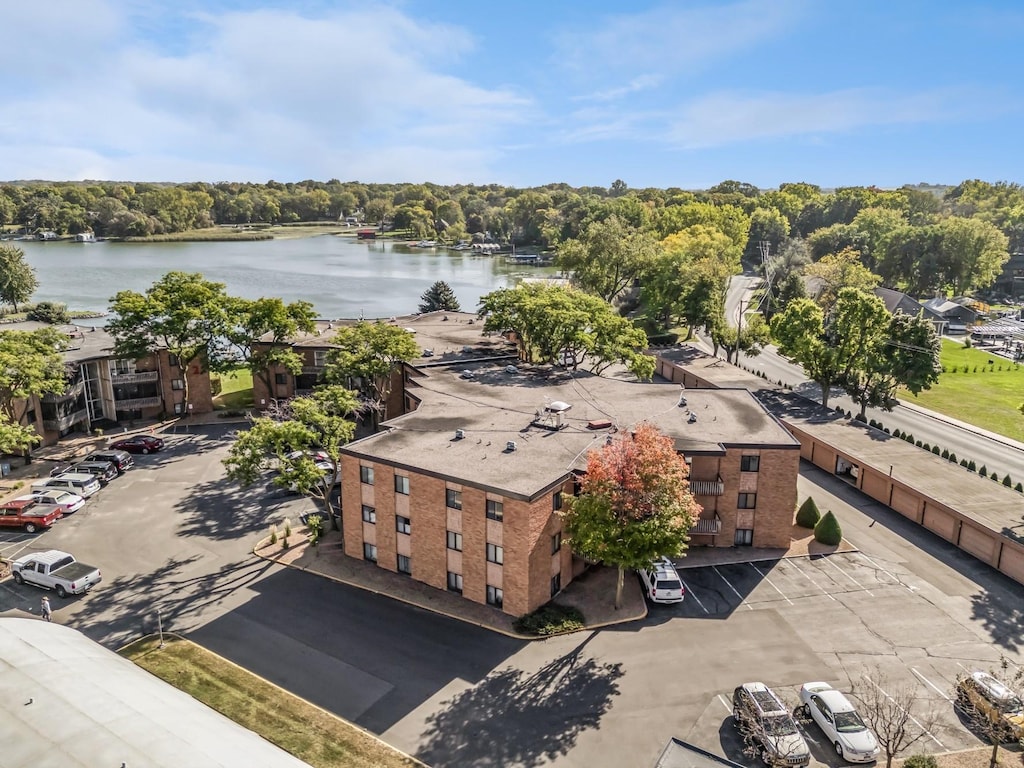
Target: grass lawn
990 398
235 390
296 726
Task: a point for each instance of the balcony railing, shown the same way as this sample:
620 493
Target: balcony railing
138 377
65 422
707 487
71 394
312 369
708 526
136 403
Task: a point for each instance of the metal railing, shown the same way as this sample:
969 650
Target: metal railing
137 402
70 394
138 377
66 422
708 526
707 487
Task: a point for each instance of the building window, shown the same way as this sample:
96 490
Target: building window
556 584
366 475
495 596
455 541
281 378
369 514
403 524
405 564
179 408
455 582
750 463
495 554
30 416
744 537
319 357
370 552
453 499
495 510
177 384
556 501
402 485
747 501
122 367
556 543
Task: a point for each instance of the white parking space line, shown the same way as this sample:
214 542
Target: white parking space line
693 594
765 577
917 722
859 585
725 703
892 576
930 684
824 591
729 584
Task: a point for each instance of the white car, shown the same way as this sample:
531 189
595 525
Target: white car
68 502
661 582
839 721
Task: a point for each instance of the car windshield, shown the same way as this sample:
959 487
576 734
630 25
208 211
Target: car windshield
849 722
668 584
779 725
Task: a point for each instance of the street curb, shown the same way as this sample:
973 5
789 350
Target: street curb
995 438
456 617
359 728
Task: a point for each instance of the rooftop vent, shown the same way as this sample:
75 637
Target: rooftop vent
459 434
551 416
511 369
467 375
693 418
428 353
682 401
510 446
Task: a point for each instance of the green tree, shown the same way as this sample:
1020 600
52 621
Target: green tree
828 531
439 296
608 257
16 438
17 278
378 210
321 422
971 253
31 365
841 270
750 337
808 515
259 330
768 229
634 504
181 312
365 356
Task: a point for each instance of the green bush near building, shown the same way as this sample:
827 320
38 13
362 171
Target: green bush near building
827 531
808 515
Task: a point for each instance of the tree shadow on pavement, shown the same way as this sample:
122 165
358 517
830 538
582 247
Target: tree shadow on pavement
220 509
512 718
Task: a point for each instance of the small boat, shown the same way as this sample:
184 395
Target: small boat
425 244
85 237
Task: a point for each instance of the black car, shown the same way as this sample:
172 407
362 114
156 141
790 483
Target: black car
122 460
104 471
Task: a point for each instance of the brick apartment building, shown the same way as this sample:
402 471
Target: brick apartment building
104 391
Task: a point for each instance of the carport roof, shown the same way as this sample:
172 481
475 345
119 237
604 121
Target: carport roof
68 701
679 754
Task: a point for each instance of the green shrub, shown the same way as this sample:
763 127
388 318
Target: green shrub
964 464
983 471
968 343
808 515
827 531
1019 488
897 433
550 619
952 457
945 453
1007 481
918 443
935 450
972 466
925 446
921 761
273 537
52 312
909 438
886 430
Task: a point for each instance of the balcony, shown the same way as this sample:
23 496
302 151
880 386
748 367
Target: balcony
707 487
137 403
72 393
138 377
707 526
65 422
312 370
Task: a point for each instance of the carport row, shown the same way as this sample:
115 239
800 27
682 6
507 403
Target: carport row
716 589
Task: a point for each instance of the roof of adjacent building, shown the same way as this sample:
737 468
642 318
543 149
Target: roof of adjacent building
680 754
896 300
502 404
71 702
85 342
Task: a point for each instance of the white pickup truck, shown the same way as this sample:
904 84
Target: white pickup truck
55 570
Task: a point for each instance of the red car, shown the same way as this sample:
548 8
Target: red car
138 444
29 514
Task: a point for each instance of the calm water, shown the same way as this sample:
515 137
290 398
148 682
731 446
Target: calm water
342 277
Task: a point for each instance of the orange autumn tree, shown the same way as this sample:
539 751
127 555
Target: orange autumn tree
634 504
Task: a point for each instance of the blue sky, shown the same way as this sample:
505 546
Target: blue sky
662 94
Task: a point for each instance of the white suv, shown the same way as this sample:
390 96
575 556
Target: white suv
661 582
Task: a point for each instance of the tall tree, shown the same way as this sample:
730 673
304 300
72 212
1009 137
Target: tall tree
16 438
895 713
438 297
17 277
749 337
971 253
181 312
31 365
841 270
634 504
365 356
258 331
608 257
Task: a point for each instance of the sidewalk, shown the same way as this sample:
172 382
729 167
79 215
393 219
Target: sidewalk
593 592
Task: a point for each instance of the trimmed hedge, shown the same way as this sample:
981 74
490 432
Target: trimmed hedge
550 619
827 531
808 515
921 761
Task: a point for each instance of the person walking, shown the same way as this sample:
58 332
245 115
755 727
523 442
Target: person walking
44 609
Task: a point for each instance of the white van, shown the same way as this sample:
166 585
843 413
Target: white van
85 485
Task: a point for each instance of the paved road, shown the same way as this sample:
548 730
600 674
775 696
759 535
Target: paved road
173 535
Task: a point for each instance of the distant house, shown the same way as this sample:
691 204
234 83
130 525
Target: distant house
366 234
1010 282
958 315
895 301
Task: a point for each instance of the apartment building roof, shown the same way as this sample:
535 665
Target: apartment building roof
84 342
495 406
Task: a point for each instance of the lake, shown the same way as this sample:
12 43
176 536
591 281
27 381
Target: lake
342 277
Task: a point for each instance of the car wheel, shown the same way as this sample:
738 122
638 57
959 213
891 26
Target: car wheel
839 750
31 528
18 578
145 450
61 592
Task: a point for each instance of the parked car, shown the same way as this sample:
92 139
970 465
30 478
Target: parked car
55 570
839 721
979 693
103 471
138 444
122 460
662 583
767 725
60 468
28 514
85 485
67 501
